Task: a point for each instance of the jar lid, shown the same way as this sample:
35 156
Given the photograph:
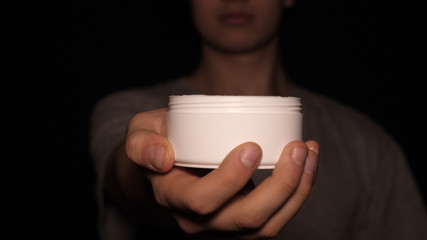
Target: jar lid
234 104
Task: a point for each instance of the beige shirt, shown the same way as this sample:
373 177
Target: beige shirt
364 188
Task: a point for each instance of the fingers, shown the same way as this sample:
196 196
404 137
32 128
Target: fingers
146 143
312 163
270 206
233 174
204 195
216 201
259 205
296 200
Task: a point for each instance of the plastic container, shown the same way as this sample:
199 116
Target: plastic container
203 129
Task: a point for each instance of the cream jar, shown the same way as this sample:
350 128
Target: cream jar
203 129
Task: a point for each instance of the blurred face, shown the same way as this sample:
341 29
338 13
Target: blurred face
237 26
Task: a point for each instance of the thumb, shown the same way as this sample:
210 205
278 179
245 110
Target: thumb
150 150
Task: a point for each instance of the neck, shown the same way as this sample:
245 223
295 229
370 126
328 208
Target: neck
253 73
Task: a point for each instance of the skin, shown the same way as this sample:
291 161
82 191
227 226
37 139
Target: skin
239 57
222 198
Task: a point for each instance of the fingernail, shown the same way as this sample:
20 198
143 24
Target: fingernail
156 156
299 154
310 165
249 157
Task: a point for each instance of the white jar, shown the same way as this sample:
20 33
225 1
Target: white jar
203 129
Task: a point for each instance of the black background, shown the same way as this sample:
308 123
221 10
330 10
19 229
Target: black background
60 58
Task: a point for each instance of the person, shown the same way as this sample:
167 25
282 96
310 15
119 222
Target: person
363 188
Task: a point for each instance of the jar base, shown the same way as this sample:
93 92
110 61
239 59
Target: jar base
215 166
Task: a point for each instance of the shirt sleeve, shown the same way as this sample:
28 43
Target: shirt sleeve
108 128
109 121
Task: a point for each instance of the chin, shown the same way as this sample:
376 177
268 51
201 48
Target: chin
239 43
238 47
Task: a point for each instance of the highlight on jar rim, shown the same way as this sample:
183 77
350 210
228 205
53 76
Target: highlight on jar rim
222 103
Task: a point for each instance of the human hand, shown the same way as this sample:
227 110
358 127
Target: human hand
221 200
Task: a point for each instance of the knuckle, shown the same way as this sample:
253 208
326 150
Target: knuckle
289 187
188 229
135 120
269 232
233 180
132 141
303 195
133 145
160 187
199 205
188 226
160 199
248 221
303 190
